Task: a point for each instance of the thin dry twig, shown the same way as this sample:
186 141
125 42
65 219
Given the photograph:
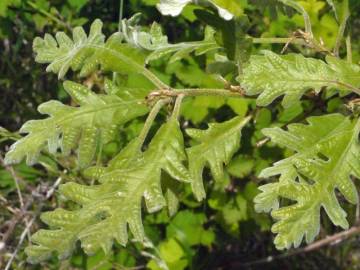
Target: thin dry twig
328 241
22 211
262 142
22 238
11 224
51 191
16 178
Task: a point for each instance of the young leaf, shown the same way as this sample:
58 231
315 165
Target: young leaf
272 75
109 207
216 146
133 34
94 121
64 52
172 7
327 154
175 7
179 50
157 43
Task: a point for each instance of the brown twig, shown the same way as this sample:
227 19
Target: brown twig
11 224
22 211
52 189
328 241
262 142
17 179
22 238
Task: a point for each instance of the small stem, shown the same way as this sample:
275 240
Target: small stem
344 18
121 11
312 43
142 69
206 92
193 92
340 35
348 49
119 29
150 119
177 106
275 40
352 88
299 8
154 79
47 14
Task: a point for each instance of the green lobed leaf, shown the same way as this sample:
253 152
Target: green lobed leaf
94 121
63 52
215 147
86 53
109 207
326 156
272 76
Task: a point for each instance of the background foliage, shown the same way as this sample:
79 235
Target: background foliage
222 232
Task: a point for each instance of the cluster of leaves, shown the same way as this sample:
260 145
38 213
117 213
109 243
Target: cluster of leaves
99 221
161 165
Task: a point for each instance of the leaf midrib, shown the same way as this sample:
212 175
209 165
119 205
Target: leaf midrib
222 136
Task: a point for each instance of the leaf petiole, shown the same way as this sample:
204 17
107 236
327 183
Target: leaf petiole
150 119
